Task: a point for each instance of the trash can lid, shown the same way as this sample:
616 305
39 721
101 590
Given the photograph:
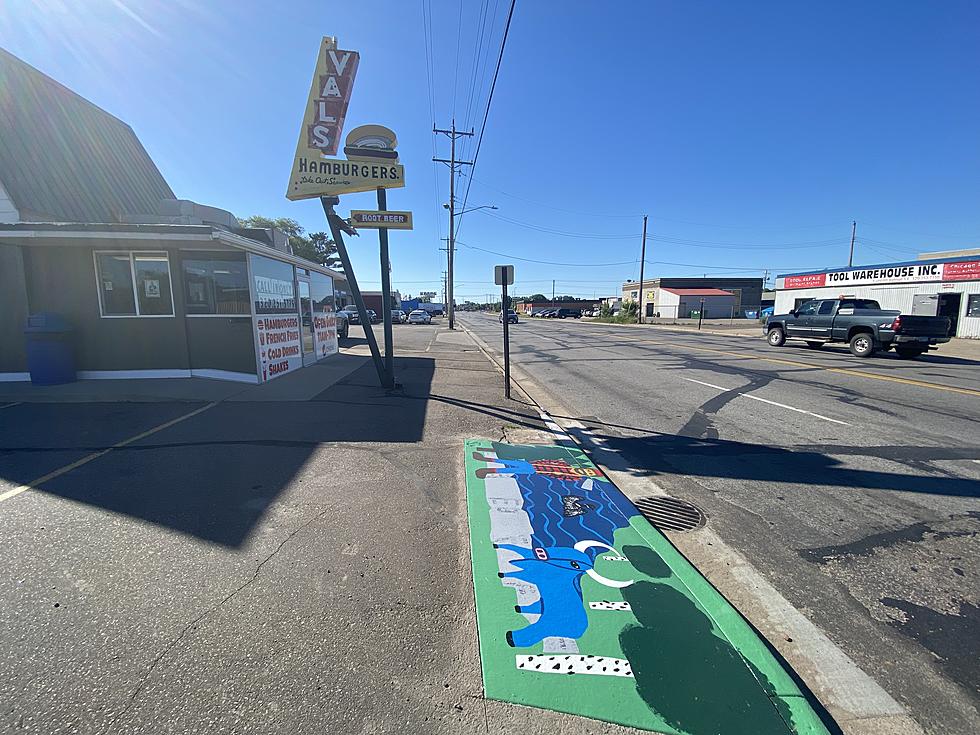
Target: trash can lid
46 321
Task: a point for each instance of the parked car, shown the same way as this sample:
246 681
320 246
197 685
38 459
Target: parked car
547 313
373 316
419 317
350 314
511 317
862 323
568 313
343 324
398 316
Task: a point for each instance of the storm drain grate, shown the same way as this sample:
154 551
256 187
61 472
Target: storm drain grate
671 514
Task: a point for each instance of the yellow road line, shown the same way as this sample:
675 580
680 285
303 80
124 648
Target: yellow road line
842 371
33 484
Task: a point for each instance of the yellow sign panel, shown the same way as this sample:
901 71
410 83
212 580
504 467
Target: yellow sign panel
332 177
373 219
323 120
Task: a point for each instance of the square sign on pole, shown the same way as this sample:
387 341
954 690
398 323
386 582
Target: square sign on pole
503 274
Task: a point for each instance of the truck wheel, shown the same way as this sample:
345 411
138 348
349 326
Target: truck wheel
862 344
908 353
776 337
814 345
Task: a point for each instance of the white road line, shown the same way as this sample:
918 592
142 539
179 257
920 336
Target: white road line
10 405
33 484
766 400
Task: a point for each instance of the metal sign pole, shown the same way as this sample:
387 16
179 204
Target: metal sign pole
386 292
334 220
506 319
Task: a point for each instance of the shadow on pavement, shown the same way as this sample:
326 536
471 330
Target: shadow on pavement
657 454
214 475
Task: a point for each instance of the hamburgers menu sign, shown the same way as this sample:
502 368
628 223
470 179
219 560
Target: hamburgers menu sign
961 270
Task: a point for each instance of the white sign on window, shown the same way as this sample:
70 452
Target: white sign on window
325 333
280 347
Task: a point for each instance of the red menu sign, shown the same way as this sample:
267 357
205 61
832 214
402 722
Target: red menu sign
812 280
965 270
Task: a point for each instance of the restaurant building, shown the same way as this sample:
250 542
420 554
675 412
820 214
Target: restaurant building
151 286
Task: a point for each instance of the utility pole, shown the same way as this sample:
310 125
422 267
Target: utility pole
553 292
452 163
850 259
643 259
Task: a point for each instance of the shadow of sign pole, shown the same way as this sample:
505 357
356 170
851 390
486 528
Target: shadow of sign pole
336 226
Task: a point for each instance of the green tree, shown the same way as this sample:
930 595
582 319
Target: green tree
605 311
629 311
317 247
536 297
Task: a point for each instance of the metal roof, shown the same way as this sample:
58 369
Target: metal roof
697 291
64 159
878 265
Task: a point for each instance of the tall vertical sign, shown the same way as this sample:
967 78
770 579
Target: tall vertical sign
323 121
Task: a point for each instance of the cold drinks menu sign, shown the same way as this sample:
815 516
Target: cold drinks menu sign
280 349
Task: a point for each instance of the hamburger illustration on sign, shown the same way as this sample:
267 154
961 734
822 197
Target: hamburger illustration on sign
371 158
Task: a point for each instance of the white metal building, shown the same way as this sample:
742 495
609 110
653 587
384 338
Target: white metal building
934 287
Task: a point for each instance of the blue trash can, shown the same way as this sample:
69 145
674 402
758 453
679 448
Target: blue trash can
49 351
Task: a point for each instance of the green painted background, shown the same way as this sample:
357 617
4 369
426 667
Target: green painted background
699 667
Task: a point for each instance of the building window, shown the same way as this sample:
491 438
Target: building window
216 285
134 284
973 305
275 292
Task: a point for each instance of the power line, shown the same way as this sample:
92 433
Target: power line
546 262
486 114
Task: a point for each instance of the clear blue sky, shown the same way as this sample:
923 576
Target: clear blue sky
766 124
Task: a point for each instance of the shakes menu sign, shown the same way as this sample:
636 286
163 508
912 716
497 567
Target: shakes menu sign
968 270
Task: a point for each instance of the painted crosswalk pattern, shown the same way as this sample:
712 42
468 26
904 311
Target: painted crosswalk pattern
570 579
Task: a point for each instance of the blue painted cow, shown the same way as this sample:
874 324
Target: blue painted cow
557 573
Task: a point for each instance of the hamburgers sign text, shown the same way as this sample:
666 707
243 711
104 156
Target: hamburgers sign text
313 173
955 271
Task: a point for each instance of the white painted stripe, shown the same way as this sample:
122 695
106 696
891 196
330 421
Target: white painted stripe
575 664
607 605
33 484
131 374
17 403
14 377
225 375
766 400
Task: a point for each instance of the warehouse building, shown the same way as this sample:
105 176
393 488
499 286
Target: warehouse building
673 298
944 286
137 283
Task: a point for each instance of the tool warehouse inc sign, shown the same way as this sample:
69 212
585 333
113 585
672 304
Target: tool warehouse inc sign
968 270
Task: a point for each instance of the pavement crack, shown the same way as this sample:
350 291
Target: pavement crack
192 625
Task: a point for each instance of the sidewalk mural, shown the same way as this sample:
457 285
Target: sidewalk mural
583 607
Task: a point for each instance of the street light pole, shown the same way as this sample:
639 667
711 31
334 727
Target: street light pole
453 163
643 259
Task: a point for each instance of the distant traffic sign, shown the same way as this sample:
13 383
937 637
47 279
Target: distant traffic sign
372 219
502 272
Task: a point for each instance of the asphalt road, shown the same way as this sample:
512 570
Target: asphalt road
851 485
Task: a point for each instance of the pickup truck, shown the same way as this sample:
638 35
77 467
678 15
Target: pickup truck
861 323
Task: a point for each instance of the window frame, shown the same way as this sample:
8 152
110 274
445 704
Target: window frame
248 277
133 254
